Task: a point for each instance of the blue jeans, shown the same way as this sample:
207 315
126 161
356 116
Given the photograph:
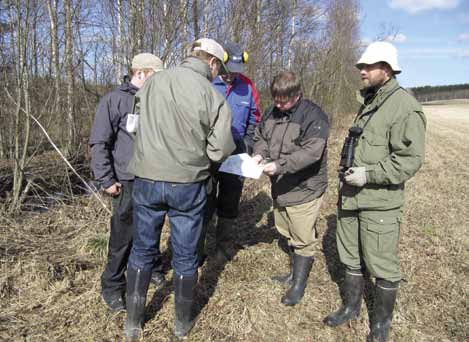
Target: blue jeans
184 204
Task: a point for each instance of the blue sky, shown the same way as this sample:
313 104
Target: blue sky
431 36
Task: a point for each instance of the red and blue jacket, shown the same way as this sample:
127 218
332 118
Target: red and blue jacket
243 99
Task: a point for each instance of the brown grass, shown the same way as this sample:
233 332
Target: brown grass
51 264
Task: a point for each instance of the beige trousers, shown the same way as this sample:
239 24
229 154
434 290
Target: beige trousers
297 224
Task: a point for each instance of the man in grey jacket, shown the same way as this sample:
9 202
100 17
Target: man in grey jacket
111 148
291 141
185 125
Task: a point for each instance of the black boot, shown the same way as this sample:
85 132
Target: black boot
385 297
286 278
157 275
137 287
201 255
353 292
158 278
301 268
183 299
223 243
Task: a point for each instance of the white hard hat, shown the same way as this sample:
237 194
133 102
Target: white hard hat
380 52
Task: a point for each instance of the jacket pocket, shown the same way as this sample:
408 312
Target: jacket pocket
373 148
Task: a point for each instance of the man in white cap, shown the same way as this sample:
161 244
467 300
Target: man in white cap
384 149
243 99
111 148
185 125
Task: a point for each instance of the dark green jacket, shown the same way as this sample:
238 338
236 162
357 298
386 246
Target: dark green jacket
391 148
185 124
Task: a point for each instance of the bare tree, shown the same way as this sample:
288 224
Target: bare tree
22 119
52 10
69 69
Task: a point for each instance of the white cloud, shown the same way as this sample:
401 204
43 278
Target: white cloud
414 6
397 38
463 37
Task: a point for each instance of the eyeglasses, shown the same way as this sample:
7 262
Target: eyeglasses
281 101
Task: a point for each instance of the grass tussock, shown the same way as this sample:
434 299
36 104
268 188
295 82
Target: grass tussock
51 264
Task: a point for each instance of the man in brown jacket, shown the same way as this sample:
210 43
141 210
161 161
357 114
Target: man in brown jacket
291 142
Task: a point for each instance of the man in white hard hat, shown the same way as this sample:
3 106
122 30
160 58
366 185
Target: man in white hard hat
385 148
111 148
184 126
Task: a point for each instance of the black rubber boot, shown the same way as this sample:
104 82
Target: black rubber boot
223 243
286 278
183 299
353 292
158 278
137 287
301 268
201 255
385 298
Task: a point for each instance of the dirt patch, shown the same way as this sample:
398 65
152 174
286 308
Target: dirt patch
51 264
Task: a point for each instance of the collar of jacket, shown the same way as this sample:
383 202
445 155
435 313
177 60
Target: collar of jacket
128 88
228 87
198 66
219 81
373 97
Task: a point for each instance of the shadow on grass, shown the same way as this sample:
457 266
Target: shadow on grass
244 234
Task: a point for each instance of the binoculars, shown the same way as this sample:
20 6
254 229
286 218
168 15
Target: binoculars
347 154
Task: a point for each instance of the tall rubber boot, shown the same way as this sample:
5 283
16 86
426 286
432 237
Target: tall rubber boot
301 268
385 298
286 278
224 226
137 287
183 299
201 255
353 287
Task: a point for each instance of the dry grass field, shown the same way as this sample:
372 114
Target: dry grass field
51 263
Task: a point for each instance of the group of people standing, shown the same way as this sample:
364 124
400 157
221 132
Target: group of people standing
191 118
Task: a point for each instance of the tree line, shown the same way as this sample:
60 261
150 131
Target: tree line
57 57
445 92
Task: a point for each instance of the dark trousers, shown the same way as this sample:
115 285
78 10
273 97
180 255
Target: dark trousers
225 196
184 204
120 242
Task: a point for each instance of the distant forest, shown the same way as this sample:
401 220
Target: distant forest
448 92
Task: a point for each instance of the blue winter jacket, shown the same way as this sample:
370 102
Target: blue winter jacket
241 98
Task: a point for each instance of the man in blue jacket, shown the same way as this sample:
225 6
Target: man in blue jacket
111 149
242 96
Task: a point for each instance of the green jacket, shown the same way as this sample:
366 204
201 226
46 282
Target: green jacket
391 148
184 125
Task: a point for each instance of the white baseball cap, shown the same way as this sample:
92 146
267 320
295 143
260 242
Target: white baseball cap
212 47
147 61
380 52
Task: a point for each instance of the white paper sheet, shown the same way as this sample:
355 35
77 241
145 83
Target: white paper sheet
243 165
